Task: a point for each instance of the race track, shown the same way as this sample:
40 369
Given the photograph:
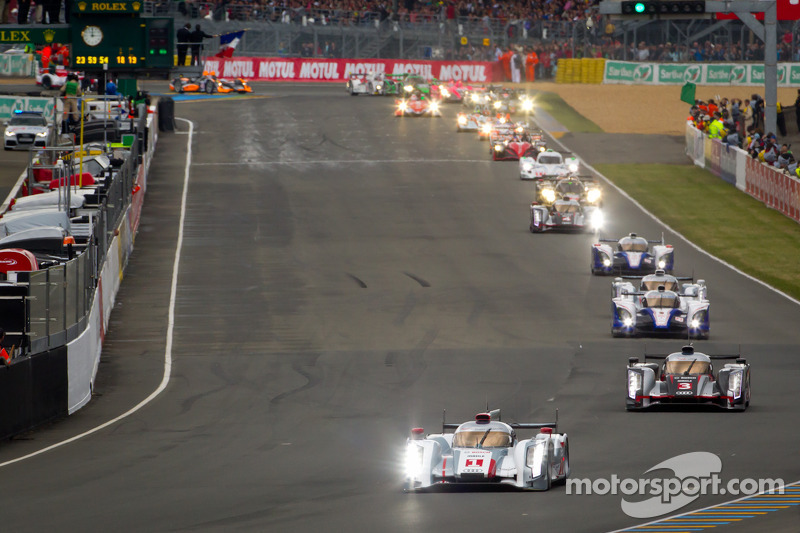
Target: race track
345 276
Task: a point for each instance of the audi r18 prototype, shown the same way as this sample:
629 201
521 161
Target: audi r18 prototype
687 378
365 83
584 190
487 451
417 107
660 307
631 255
547 164
565 215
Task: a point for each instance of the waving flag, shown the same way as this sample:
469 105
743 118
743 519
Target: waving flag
228 42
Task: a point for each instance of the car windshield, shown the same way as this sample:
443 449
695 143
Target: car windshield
496 438
661 300
680 367
567 207
549 159
570 187
27 121
654 284
633 244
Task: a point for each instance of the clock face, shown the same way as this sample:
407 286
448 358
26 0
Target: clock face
92 35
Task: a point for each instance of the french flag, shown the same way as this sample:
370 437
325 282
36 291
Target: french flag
228 43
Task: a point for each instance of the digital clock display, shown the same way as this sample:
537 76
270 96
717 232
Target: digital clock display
111 61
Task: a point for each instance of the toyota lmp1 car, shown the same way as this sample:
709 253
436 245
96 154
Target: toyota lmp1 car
487 451
632 255
547 164
688 378
660 307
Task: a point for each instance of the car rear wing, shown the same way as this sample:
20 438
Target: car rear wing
495 415
689 350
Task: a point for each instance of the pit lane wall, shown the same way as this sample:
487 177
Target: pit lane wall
303 69
763 182
50 384
749 74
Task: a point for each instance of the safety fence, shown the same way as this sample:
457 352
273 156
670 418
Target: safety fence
763 182
299 69
752 74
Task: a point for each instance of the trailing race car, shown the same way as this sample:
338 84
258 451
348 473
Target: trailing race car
393 84
511 143
632 255
27 129
487 451
417 106
208 83
538 141
547 164
660 307
499 123
688 378
472 121
365 83
416 84
565 214
584 190
453 91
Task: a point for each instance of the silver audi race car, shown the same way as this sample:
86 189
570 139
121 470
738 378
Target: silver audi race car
487 451
688 378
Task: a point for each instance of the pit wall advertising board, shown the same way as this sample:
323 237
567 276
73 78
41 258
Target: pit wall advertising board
635 73
339 70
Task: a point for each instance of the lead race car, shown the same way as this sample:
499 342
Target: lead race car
633 255
660 307
417 106
487 451
371 83
687 378
208 83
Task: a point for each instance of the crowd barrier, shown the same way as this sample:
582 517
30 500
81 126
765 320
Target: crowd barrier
750 74
304 69
763 182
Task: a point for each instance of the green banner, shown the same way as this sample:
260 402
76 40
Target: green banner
106 7
17 65
678 73
22 35
625 72
9 104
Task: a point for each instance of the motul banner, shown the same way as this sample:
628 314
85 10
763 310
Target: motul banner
302 69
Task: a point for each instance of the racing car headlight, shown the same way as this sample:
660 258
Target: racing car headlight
408 88
378 87
549 195
488 98
542 148
486 128
527 167
498 105
573 167
593 195
527 105
597 219
402 106
10 133
735 383
520 129
414 455
475 98
445 92
634 383
662 263
534 458
462 120
625 317
434 107
498 147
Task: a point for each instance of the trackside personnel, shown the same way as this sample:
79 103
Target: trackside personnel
5 358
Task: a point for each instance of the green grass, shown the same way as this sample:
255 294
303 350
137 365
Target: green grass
719 218
564 114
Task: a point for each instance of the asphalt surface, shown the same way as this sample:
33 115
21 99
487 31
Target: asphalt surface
345 276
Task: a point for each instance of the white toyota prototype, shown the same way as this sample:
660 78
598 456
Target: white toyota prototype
548 164
487 451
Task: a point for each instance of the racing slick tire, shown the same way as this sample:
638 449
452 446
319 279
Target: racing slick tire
208 87
47 83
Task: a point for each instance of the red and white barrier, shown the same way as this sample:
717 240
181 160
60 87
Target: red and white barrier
338 70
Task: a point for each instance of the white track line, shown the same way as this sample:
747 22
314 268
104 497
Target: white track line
651 215
170 324
338 161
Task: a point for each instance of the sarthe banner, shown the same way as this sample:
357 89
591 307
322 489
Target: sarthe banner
303 69
643 73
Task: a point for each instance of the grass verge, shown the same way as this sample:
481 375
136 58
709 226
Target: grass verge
565 114
718 217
